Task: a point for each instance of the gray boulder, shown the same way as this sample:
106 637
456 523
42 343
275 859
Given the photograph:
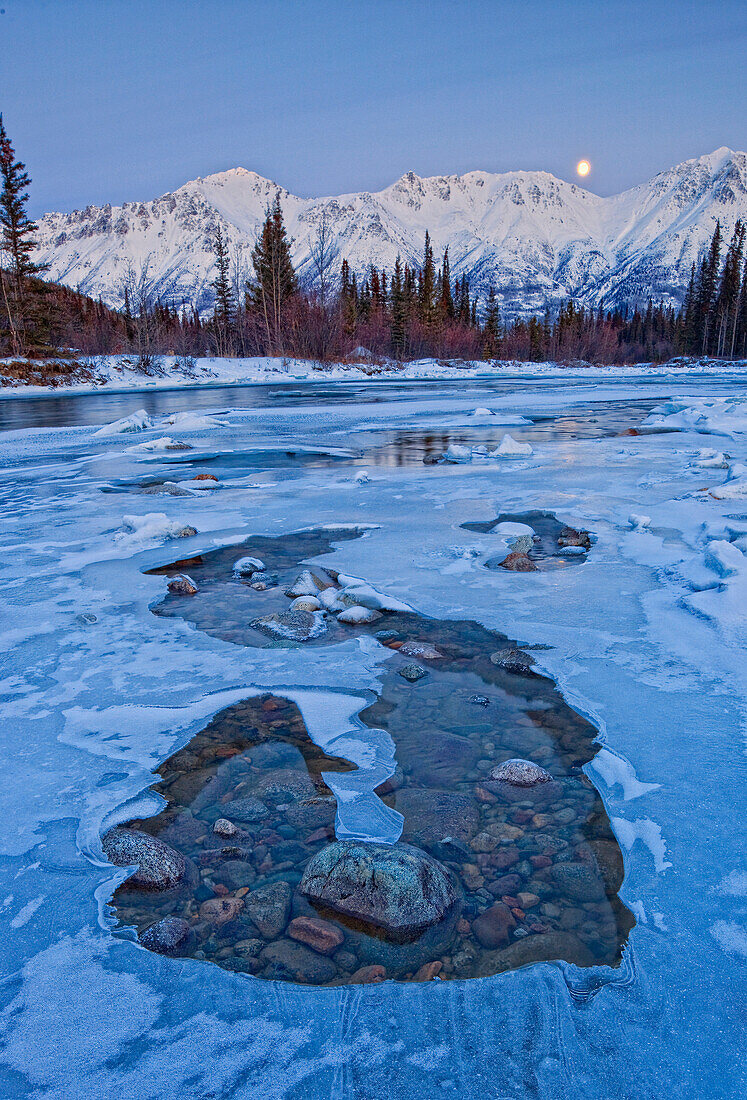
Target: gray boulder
169 936
268 908
397 888
159 867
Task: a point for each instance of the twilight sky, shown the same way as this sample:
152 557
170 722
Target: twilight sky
110 100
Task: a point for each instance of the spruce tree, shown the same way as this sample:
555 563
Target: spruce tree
427 287
17 269
447 300
274 283
225 303
492 326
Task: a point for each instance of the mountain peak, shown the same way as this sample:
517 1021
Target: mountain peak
539 239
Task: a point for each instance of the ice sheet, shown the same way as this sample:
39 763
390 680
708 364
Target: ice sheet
97 692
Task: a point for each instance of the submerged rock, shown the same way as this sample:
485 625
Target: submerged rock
244 810
397 888
546 947
580 881
294 962
520 773
297 626
432 816
159 867
170 936
219 911
412 673
320 935
269 907
492 927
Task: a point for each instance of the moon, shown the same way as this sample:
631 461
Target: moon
583 168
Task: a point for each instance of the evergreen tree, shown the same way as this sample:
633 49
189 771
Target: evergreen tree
446 298
707 284
427 289
398 326
17 270
492 327
225 303
274 283
726 308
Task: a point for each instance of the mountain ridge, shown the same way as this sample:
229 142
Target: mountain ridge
539 239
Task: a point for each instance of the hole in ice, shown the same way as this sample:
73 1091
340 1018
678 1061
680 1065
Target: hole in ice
554 544
506 857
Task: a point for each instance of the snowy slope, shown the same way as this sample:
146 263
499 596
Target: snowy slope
537 238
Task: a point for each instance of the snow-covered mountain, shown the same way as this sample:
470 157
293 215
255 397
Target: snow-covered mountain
537 238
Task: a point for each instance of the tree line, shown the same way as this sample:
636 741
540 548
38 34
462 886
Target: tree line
329 313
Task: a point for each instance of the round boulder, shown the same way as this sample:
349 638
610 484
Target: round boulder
169 936
159 867
520 773
397 888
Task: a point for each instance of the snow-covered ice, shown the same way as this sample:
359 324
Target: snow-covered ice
647 639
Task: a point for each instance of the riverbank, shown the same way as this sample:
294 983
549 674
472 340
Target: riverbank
115 372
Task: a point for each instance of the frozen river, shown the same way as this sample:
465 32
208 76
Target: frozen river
645 639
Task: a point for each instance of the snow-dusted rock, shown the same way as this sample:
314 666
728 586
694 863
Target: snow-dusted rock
296 626
638 522
164 443
153 526
304 585
356 614
182 585
138 421
424 651
362 477
366 596
247 566
306 603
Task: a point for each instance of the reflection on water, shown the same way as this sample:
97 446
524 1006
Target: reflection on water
537 868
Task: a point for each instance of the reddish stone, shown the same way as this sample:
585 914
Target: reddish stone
204 477
220 910
463 927
428 971
540 861
271 704
320 935
493 926
504 885
369 974
518 913
319 834
484 796
220 890
519 563
520 817
510 901
505 857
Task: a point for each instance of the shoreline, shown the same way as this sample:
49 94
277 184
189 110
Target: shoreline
222 373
